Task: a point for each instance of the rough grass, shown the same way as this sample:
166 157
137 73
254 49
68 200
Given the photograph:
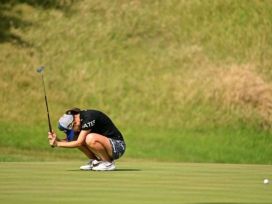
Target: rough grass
140 61
242 87
235 144
173 65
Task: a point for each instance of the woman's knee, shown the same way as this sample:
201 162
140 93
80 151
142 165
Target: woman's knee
91 139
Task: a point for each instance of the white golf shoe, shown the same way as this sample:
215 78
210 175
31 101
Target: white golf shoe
104 166
89 166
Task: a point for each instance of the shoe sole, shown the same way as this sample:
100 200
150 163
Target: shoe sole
106 169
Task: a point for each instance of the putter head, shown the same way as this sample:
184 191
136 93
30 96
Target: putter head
40 69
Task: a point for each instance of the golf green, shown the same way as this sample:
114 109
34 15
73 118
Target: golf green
134 181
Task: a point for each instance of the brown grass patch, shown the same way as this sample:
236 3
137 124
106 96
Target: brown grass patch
240 86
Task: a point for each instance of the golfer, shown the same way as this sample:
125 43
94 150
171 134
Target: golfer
92 132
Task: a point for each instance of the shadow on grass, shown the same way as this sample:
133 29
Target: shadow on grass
229 203
116 170
9 19
7 22
128 170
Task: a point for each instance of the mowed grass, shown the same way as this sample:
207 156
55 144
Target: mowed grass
134 181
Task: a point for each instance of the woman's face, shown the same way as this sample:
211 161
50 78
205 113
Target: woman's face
76 125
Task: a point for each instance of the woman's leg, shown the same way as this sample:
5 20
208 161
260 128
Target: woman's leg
87 152
90 155
100 146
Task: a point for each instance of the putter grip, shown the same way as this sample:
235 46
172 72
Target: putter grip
49 124
52 145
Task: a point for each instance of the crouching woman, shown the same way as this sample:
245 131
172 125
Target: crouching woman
94 134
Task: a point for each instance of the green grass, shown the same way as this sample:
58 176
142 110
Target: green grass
140 61
221 145
184 80
135 181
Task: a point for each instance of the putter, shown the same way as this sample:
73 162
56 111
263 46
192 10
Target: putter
40 70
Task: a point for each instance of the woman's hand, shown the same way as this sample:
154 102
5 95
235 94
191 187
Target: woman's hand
52 138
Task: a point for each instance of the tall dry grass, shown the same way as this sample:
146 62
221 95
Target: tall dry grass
186 80
142 61
243 88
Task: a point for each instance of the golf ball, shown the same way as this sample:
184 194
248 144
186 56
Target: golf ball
266 181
